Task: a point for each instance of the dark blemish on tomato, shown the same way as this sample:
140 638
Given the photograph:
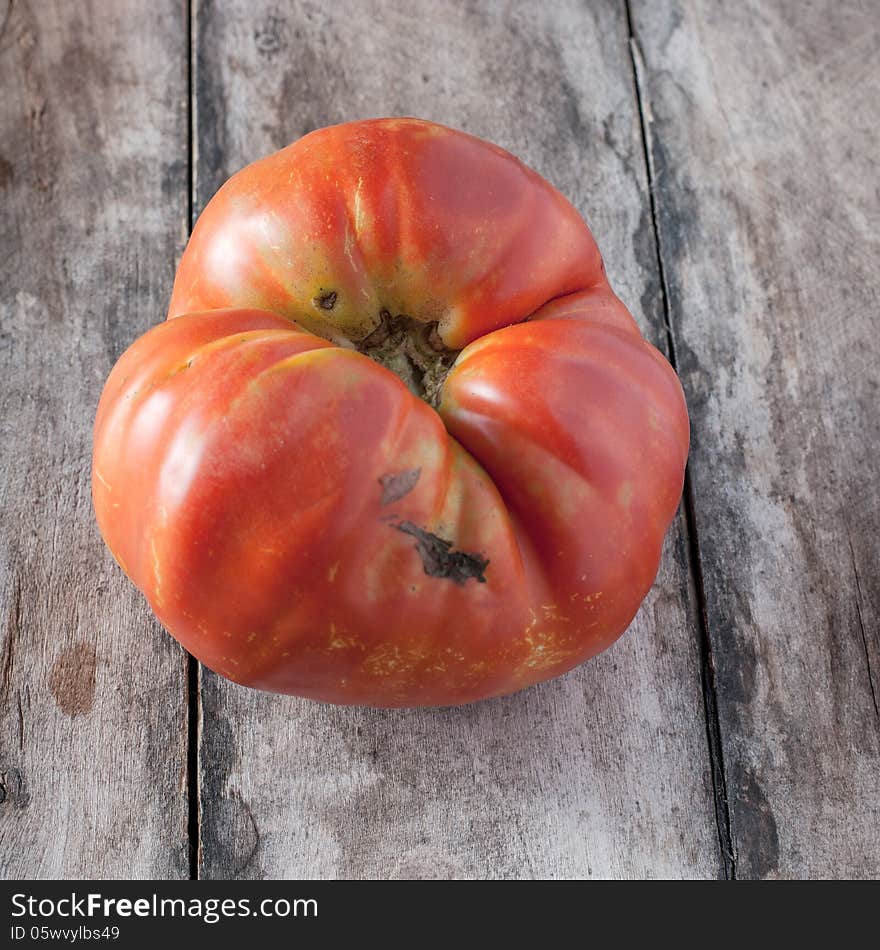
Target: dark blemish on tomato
440 559
326 301
397 484
72 680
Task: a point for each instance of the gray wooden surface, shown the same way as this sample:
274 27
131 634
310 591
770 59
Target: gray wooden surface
93 203
726 157
766 161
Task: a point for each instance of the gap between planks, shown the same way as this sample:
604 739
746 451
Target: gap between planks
707 664
193 677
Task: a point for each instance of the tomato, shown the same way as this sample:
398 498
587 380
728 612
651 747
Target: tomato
398 442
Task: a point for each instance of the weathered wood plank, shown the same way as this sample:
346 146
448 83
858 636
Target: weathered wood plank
765 145
603 773
93 198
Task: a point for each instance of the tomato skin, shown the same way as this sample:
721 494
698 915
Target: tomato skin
395 214
300 521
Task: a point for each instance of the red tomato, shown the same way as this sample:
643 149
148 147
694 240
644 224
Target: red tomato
400 443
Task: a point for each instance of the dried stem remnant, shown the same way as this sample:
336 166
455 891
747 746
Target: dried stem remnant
413 351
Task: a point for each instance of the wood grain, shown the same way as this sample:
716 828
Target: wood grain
764 126
604 772
93 199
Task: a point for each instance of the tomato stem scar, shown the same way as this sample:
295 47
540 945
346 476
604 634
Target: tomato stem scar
412 350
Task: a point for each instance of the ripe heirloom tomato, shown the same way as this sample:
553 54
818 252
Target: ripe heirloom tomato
398 442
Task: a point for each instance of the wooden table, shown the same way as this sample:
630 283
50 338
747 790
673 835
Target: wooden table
726 157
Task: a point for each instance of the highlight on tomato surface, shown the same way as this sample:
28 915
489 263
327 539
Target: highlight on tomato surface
398 443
